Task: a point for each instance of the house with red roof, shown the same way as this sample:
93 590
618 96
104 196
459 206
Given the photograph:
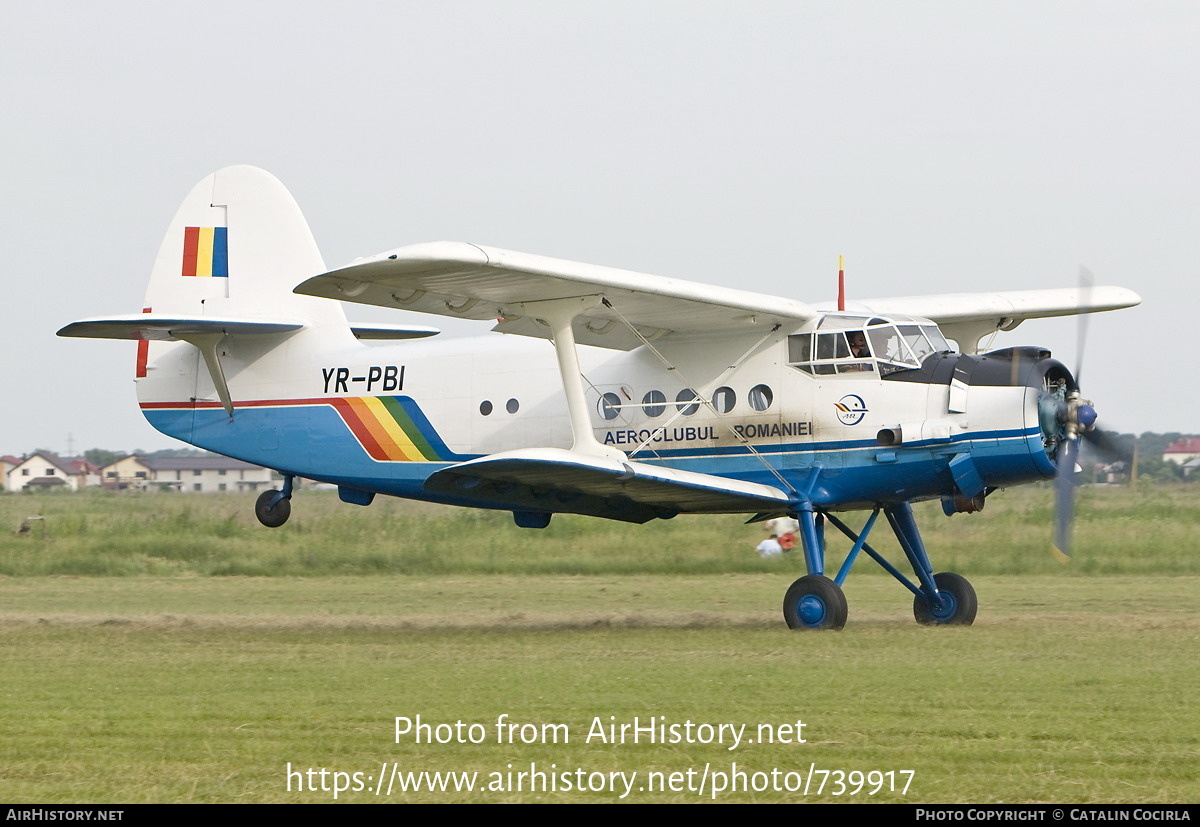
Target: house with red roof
47 472
1183 451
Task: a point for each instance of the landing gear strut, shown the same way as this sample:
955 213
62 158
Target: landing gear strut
272 508
817 602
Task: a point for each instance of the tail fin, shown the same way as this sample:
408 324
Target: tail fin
236 247
222 283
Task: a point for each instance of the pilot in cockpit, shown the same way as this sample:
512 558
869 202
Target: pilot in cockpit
859 349
858 344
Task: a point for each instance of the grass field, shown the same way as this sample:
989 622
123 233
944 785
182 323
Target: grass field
160 682
1152 530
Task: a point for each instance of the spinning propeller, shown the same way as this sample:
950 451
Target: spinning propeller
1074 418
1078 420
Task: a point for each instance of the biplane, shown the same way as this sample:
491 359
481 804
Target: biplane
597 391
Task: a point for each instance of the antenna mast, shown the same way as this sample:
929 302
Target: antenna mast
841 284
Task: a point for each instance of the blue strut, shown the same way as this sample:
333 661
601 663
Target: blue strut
286 493
905 526
812 537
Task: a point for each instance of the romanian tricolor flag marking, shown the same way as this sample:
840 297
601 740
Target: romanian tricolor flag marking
206 252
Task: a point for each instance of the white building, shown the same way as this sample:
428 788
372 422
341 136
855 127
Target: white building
47 472
187 474
1184 451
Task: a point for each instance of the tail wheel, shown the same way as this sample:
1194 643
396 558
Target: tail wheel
272 516
815 602
959 603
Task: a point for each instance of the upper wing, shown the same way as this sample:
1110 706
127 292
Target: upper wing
968 317
471 282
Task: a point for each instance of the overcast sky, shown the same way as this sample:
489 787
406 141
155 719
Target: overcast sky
940 146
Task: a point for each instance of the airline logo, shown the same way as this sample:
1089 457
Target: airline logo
206 252
851 409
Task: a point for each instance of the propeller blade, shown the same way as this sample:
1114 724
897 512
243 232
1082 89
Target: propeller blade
1064 489
1079 420
1107 445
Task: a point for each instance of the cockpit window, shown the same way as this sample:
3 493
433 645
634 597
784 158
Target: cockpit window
800 348
940 345
854 344
916 340
832 346
839 322
830 353
887 345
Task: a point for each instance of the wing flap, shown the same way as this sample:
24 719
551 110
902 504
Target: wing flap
557 480
485 283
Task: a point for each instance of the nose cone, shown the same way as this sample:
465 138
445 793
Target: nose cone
1086 416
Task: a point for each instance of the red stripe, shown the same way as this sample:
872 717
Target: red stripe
191 241
251 403
386 442
360 429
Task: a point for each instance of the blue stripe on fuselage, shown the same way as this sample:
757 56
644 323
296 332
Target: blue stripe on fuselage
312 441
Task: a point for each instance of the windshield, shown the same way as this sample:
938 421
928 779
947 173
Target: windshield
850 344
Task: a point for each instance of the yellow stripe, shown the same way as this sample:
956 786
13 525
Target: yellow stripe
394 431
204 248
375 430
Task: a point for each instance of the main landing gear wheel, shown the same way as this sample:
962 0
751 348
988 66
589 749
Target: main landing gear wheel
959 603
815 602
272 516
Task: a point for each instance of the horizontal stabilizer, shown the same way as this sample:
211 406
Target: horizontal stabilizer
160 327
471 282
556 480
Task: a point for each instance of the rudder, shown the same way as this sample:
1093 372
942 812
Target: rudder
237 246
